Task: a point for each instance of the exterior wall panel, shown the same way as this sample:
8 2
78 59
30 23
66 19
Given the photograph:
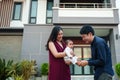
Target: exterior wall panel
10 47
34 41
86 16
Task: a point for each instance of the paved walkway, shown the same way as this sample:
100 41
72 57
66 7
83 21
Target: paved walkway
82 77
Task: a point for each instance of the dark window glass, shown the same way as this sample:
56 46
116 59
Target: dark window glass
17 11
33 11
49 12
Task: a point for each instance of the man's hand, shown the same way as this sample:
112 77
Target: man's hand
78 63
82 63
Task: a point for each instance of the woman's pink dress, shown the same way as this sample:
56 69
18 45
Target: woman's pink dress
58 70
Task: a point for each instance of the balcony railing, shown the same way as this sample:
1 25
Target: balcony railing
85 5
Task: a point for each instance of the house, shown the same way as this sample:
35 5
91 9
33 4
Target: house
25 26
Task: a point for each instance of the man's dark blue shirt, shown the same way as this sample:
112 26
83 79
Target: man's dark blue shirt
101 57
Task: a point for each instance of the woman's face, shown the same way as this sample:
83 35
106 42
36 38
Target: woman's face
60 35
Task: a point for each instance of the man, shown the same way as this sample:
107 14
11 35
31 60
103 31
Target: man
101 55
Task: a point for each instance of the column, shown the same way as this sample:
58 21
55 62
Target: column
56 3
113 3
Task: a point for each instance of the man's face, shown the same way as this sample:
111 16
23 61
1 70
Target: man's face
86 38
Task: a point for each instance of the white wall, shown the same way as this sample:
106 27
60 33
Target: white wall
85 12
26 10
118 6
25 14
41 13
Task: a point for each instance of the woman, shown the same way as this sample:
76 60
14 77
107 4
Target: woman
58 69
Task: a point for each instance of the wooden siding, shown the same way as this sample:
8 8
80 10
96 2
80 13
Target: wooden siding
6 7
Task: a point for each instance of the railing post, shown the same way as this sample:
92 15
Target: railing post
94 5
75 5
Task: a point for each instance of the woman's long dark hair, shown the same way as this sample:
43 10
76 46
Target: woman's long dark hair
53 35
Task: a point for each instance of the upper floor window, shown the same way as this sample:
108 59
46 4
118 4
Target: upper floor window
17 11
33 11
84 53
106 1
49 12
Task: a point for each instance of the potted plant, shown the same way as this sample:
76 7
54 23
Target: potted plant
6 69
44 71
117 69
26 69
19 71
22 70
18 77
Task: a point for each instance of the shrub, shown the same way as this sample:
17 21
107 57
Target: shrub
22 70
6 69
26 69
117 69
44 69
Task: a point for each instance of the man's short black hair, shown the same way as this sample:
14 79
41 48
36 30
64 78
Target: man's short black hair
87 29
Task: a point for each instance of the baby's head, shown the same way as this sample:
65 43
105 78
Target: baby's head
69 43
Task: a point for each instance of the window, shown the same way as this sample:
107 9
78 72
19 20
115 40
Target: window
33 11
107 1
84 53
17 11
49 12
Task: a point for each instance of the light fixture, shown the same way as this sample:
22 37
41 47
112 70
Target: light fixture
117 36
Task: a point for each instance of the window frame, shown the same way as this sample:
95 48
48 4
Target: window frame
82 68
47 9
30 17
14 12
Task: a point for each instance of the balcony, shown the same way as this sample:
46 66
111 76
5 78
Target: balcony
85 5
88 13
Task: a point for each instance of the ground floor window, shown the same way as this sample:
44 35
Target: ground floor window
84 53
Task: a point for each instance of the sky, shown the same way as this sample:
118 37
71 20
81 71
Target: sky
118 6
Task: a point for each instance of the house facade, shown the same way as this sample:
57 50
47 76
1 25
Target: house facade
25 26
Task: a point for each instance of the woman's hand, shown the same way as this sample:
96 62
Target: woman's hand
67 62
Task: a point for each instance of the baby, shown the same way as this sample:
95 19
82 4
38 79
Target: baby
68 50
